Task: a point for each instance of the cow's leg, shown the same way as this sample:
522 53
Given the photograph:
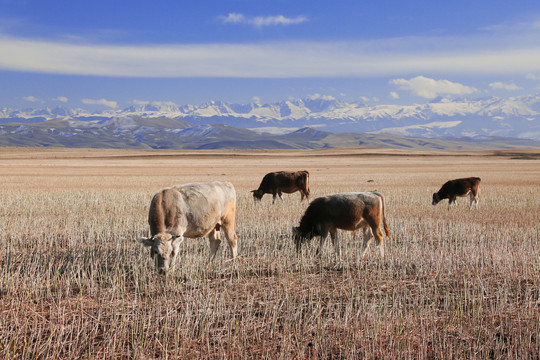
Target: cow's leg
230 234
215 241
280 194
274 197
367 240
324 234
377 234
176 248
473 198
335 241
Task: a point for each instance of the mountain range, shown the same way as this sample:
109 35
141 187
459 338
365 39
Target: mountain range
313 122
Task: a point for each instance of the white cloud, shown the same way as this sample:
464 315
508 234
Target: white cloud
61 99
31 98
260 21
233 18
394 95
532 76
321 97
364 98
288 59
140 102
164 103
430 88
104 102
500 85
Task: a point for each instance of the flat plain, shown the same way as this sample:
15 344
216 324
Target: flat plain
75 283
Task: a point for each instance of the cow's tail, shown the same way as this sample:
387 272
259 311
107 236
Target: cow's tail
386 230
307 183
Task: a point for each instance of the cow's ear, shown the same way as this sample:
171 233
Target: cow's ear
253 191
177 239
146 241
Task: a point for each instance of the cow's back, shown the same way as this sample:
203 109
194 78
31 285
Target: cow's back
343 211
460 187
275 179
195 208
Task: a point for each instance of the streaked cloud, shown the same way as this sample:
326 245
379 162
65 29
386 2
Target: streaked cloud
504 86
104 102
394 95
431 88
261 21
287 59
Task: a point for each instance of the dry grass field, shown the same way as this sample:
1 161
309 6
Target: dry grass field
459 284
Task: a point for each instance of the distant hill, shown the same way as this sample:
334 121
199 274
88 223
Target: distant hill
137 132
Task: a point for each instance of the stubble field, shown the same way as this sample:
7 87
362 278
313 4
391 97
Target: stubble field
74 282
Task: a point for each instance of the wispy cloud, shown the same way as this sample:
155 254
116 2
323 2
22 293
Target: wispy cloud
285 59
61 99
260 21
140 102
504 86
104 102
321 97
430 88
31 99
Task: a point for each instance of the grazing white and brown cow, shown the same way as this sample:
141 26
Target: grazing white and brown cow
191 210
346 211
459 187
279 182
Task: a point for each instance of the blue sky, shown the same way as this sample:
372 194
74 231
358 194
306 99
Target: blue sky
116 53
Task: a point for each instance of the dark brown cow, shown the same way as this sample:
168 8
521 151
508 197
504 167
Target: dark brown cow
347 211
279 182
459 187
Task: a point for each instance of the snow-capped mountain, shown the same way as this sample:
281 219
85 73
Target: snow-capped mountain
517 117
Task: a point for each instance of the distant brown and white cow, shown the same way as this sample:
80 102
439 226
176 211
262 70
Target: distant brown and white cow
459 187
191 210
346 211
279 182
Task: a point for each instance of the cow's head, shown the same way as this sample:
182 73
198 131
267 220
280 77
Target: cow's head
257 194
299 237
436 199
162 249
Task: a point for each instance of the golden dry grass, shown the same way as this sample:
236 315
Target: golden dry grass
454 284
